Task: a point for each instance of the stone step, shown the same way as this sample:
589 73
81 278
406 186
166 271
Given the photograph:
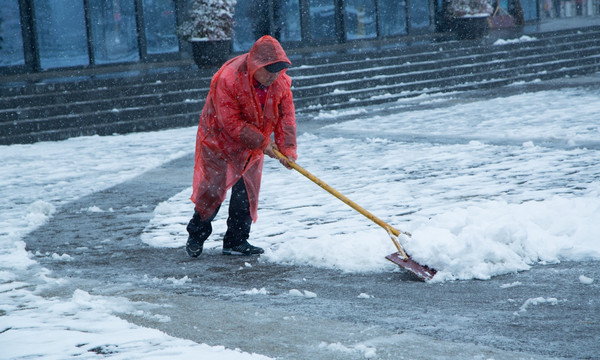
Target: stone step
117 127
580 62
351 100
182 89
53 109
48 106
432 52
99 118
157 77
322 73
148 84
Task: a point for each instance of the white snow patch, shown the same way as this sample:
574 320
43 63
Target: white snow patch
94 209
63 257
536 301
506 286
306 294
254 291
366 351
182 281
523 38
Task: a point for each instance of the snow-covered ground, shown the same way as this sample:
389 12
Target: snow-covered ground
486 188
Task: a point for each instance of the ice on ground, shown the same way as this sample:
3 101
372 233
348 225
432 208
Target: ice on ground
254 291
536 301
366 351
506 286
306 294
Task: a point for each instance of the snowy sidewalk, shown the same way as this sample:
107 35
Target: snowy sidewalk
485 196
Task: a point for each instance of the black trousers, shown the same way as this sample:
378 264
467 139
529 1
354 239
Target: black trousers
238 222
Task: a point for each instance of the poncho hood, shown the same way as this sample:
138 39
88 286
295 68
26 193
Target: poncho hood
265 51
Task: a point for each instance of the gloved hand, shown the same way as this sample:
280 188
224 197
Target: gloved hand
270 153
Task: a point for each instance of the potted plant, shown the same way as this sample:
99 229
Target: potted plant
469 18
209 29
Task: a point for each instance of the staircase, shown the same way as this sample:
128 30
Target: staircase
168 97
54 109
386 76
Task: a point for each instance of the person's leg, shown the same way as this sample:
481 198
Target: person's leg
199 230
239 223
239 220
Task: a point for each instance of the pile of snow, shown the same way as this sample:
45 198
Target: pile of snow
497 237
490 202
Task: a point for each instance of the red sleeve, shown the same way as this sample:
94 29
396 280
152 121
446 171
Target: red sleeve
285 129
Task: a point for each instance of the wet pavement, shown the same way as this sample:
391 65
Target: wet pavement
396 317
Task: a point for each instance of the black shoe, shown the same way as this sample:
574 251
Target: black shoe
242 249
193 247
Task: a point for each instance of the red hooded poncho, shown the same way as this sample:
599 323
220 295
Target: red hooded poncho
234 129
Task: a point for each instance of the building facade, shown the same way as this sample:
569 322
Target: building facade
42 35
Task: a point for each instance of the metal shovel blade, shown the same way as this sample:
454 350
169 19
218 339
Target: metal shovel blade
422 272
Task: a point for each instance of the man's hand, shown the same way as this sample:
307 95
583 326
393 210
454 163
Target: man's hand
269 152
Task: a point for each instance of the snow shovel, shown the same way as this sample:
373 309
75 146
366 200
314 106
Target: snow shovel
400 258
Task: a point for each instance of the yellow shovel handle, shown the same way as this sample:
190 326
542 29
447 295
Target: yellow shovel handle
391 230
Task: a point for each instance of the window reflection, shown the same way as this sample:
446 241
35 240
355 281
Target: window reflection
114 32
322 19
244 25
360 19
530 9
289 20
252 20
419 15
392 14
159 26
60 26
11 41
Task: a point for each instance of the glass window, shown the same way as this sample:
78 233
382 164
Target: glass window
289 20
252 21
419 14
361 21
114 32
245 24
392 15
11 39
322 19
529 9
159 26
60 27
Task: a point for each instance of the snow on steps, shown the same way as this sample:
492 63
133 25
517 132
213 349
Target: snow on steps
471 67
123 102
